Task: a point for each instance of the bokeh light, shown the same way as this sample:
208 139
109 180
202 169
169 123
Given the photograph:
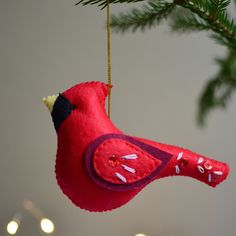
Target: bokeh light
47 226
140 234
12 227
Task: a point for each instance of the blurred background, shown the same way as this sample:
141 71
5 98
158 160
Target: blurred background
46 46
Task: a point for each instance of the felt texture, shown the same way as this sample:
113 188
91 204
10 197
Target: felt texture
108 162
148 163
91 149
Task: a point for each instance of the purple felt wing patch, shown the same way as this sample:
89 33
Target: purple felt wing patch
121 163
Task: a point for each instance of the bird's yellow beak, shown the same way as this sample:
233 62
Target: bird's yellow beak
49 101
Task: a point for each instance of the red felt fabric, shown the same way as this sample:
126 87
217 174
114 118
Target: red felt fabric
108 161
89 121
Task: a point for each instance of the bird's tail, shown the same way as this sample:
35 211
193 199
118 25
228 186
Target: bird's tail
187 163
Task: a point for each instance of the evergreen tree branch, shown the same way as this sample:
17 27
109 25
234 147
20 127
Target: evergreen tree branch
218 90
218 6
103 3
189 16
214 15
148 16
184 21
231 44
212 11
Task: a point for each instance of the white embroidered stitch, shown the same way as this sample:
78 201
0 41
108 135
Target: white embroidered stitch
200 160
218 172
201 169
179 156
177 169
209 178
129 169
208 167
130 157
121 177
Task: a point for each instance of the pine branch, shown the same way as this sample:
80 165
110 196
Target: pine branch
219 90
184 21
103 3
189 16
218 6
231 44
214 15
213 12
148 16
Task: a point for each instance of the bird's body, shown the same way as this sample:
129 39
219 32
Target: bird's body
100 168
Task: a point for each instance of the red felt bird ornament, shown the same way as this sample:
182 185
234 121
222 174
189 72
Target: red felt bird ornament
99 167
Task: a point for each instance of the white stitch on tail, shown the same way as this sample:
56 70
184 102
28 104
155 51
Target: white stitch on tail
121 177
218 172
129 169
177 169
200 160
179 156
201 169
130 157
208 167
209 178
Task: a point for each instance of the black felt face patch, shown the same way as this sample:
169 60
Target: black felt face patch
62 108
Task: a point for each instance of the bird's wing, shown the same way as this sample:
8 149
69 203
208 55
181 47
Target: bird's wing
122 163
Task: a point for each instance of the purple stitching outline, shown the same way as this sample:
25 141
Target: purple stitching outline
155 152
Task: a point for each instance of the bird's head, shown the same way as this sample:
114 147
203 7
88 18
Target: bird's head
82 98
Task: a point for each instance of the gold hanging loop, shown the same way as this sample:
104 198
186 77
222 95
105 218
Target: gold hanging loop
109 58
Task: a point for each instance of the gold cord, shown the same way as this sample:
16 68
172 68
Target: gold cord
109 58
